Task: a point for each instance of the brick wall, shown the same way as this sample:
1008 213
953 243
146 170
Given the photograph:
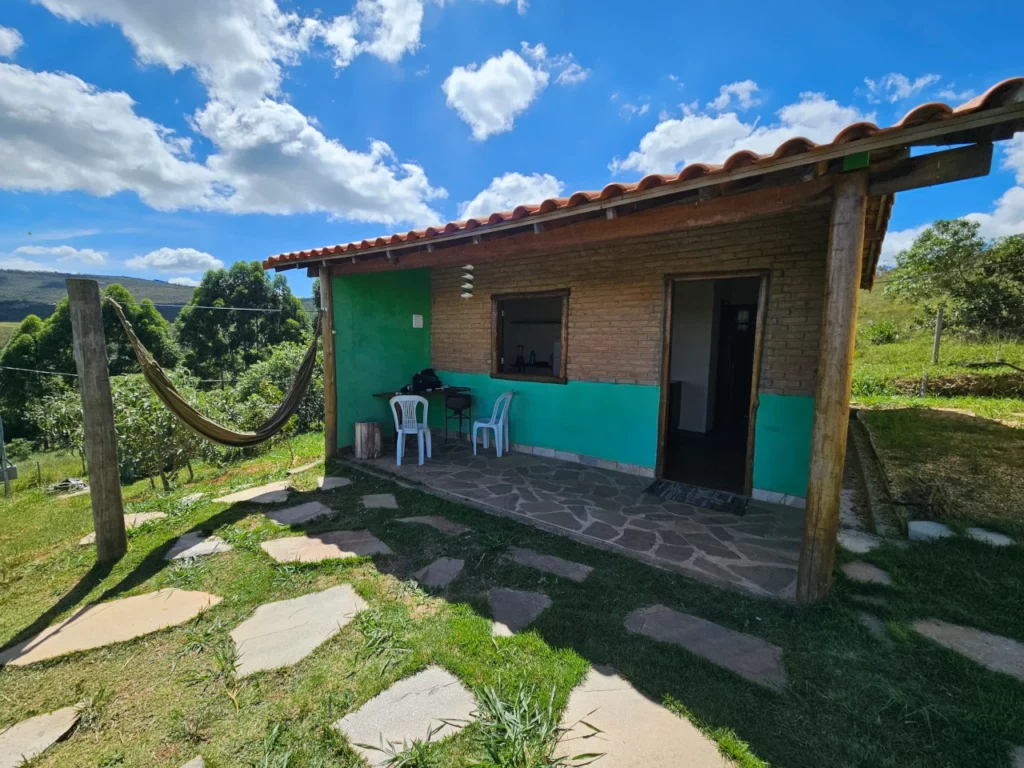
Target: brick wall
617 300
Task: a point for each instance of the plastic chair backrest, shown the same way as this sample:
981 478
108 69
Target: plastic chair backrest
408 405
502 405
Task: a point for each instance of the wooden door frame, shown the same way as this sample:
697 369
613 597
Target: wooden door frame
666 353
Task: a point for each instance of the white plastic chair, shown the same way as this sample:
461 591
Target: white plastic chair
410 425
498 423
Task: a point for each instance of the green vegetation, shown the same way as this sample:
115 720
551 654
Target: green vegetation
7 330
852 700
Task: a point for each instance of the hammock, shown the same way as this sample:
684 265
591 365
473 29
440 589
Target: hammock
207 428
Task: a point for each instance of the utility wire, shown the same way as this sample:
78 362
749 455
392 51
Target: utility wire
226 309
33 370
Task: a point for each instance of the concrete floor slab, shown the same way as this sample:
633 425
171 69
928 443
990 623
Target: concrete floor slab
130 521
330 483
440 573
514 610
271 493
380 501
301 513
283 633
550 564
408 710
106 623
994 652
442 524
331 545
749 657
194 544
635 732
21 742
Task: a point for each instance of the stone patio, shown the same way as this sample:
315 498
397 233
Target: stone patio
756 553
21 742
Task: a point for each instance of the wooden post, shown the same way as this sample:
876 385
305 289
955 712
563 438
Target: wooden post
98 412
832 396
938 335
330 371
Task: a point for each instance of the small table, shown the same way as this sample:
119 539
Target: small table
430 394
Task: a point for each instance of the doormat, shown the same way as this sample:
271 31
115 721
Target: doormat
708 498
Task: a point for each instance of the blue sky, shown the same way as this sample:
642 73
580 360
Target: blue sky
157 139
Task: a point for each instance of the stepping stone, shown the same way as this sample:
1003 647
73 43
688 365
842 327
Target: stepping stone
303 468
192 498
331 545
858 542
1017 757
130 521
440 573
195 762
748 656
927 530
549 564
515 609
23 741
865 573
283 633
994 652
271 493
634 732
873 624
301 513
195 545
106 623
443 524
380 501
408 710
330 483
989 537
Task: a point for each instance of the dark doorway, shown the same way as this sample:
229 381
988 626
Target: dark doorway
711 368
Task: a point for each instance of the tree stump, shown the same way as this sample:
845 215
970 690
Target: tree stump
368 440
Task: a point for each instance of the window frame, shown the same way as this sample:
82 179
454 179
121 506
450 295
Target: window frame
497 334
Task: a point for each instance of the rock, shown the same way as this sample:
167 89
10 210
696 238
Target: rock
195 762
994 652
271 493
927 530
748 656
332 545
194 545
989 537
633 731
105 623
858 542
283 633
23 741
301 513
865 573
515 609
380 501
130 521
550 564
330 483
192 498
409 710
443 524
439 573
303 468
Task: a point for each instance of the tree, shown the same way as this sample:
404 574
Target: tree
979 284
226 341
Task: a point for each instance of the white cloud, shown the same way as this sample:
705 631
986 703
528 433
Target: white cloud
521 5
188 282
395 26
701 137
65 253
19 264
572 74
629 111
489 97
898 241
175 260
10 41
506 192
63 234
743 91
950 94
340 35
896 87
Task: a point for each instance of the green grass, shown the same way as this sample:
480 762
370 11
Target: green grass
7 330
160 699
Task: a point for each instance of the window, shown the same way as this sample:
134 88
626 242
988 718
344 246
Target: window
529 332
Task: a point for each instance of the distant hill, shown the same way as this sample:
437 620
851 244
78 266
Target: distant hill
28 293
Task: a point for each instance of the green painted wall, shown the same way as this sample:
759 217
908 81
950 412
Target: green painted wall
782 443
377 347
618 422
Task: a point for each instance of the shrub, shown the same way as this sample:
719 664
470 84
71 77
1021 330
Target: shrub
18 449
882 332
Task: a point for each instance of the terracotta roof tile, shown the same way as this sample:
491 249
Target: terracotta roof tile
932 112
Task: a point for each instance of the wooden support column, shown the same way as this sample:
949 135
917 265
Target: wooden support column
90 350
832 396
330 372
